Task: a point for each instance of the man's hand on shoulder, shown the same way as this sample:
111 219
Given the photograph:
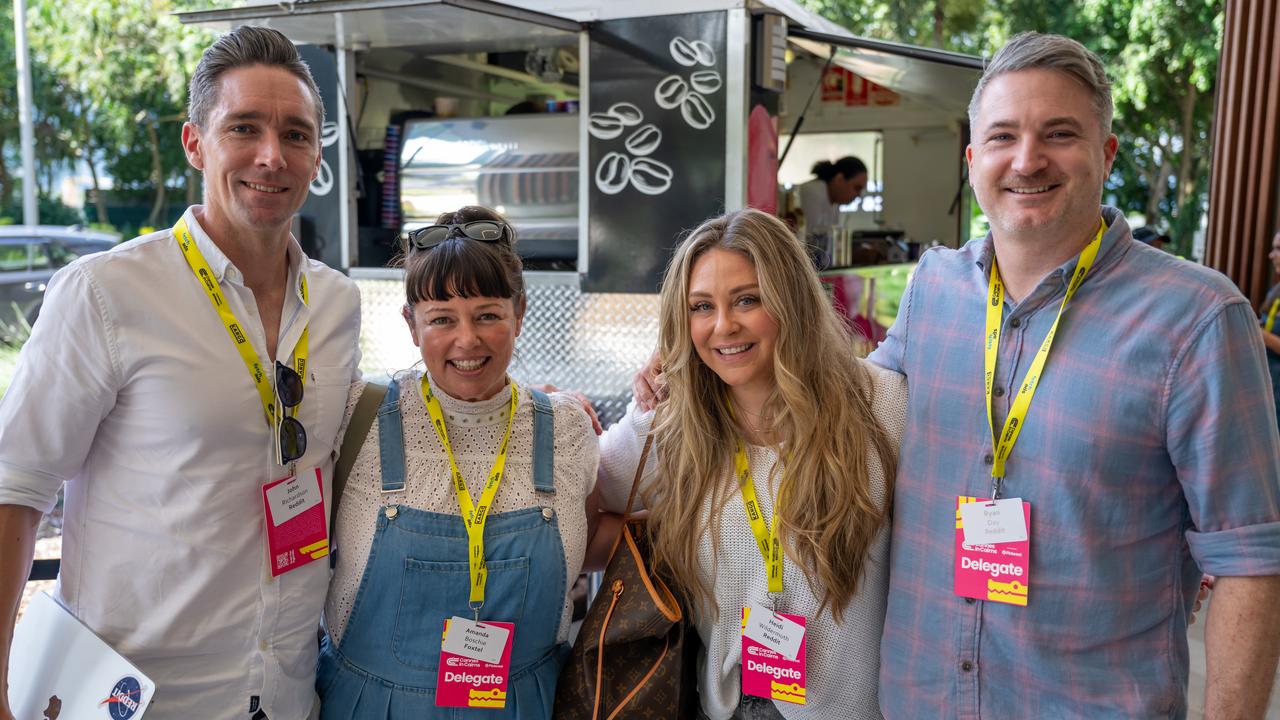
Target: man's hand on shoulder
583 400
649 387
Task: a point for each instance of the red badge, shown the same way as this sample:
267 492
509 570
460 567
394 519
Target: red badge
296 532
999 572
768 673
470 682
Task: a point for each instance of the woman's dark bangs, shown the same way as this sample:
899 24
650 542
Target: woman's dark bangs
459 268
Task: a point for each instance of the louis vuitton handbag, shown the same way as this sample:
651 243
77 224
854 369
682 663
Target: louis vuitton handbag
636 655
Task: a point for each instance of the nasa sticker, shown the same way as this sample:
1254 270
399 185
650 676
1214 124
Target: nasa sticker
125 698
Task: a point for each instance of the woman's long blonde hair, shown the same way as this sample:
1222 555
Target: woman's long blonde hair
828 514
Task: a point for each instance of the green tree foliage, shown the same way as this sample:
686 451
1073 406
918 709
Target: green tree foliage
52 212
1161 56
110 89
128 63
50 118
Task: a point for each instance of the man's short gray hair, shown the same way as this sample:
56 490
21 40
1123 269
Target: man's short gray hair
1042 51
244 47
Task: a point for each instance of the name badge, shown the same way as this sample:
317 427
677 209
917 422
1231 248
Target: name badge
478 641
990 522
465 680
999 570
767 671
296 521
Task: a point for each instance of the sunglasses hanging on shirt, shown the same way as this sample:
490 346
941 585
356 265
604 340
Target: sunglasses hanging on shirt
291 436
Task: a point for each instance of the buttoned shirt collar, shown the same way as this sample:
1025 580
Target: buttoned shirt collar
1115 243
294 315
224 269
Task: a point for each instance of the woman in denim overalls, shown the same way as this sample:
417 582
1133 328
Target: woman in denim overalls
465 304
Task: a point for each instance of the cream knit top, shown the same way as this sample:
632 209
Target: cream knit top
475 430
843 660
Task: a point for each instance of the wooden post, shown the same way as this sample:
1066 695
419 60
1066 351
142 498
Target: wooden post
1244 186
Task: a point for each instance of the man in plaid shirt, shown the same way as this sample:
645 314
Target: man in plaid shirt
1116 400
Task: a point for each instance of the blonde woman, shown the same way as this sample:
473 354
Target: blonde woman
762 378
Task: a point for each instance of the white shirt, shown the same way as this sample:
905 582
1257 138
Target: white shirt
475 431
820 214
131 391
842 659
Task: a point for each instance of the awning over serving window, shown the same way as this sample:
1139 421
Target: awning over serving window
440 26
941 79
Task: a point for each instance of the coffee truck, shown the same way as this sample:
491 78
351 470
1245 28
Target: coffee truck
603 131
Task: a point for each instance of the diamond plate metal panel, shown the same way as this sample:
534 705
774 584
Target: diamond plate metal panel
591 342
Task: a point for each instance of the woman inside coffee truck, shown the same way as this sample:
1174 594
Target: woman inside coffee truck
835 184
465 504
766 408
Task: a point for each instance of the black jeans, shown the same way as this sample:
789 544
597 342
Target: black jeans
751 707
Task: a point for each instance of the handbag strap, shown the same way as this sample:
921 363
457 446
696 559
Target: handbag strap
635 484
616 591
361 420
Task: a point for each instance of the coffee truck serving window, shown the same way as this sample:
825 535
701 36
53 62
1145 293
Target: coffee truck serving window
864 212
901 110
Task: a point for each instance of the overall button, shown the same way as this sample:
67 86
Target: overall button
988 459
548 513
970 600
998 392
1015 322
966 666
392 512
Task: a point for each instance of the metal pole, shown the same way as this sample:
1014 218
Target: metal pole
30 211
350 245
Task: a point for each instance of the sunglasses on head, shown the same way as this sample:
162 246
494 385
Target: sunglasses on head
292 436
482 230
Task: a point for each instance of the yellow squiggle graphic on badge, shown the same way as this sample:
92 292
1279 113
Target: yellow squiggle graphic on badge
316 550
792 693
494 698
1013 592
962 500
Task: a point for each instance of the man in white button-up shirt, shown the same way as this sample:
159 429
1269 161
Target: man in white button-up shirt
132 393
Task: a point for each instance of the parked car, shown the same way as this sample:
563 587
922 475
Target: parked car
30 255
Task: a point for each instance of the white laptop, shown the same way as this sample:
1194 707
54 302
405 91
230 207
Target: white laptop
60 670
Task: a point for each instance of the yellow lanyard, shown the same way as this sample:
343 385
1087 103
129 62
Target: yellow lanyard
767 540
473 516
1022 402
200 268
1271 315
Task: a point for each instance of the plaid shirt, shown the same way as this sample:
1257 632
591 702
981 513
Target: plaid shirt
1149 454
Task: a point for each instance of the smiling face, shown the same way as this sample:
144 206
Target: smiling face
1038 156
731 330
259 151
466 343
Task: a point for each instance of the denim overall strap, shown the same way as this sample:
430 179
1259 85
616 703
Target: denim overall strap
391 440
544 444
